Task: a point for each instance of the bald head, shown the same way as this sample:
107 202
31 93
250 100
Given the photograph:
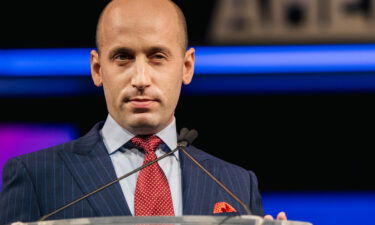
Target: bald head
143 9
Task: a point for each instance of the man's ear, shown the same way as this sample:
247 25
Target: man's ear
96 72
188 70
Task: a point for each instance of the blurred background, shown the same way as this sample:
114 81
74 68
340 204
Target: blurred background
282 87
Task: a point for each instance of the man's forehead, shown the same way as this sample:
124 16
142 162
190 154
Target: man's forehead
139 10
141 19
143 34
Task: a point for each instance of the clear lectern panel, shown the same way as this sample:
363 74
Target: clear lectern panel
181 220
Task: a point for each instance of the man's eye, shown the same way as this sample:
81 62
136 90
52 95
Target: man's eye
158 56
122 57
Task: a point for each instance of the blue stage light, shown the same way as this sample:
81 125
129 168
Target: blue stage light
44 62
323 208
285 59
209 60
219 70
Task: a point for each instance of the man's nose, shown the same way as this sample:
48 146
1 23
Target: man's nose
141 77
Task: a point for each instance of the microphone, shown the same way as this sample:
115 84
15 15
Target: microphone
188 137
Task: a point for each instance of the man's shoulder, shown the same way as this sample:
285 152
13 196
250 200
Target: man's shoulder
80 144
214 160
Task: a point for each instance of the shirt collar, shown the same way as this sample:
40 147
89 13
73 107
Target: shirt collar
115 136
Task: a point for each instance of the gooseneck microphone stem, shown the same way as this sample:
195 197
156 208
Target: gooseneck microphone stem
182 144
217 181
187 137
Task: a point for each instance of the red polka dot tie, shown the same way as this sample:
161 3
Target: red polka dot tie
152 193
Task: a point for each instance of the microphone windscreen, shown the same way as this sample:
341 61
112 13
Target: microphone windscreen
191 136
183 132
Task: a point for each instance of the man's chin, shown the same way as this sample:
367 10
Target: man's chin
144 130
144 125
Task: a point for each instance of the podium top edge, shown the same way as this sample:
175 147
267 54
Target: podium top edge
181 220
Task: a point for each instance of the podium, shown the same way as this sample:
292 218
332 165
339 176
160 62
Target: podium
165 220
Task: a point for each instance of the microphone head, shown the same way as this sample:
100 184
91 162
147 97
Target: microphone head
188 136
191 136
182 135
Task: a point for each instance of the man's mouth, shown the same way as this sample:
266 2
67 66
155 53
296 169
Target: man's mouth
140 102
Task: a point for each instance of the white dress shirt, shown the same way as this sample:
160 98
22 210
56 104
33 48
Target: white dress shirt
125 160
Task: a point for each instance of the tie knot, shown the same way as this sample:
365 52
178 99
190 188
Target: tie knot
148 143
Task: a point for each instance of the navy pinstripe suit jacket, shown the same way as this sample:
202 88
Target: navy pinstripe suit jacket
38 183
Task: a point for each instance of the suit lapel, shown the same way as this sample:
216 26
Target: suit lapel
199 192
91 166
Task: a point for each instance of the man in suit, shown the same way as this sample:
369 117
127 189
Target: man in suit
141 62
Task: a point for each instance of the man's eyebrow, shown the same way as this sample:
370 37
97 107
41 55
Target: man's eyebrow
117 50
159 49
154 49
